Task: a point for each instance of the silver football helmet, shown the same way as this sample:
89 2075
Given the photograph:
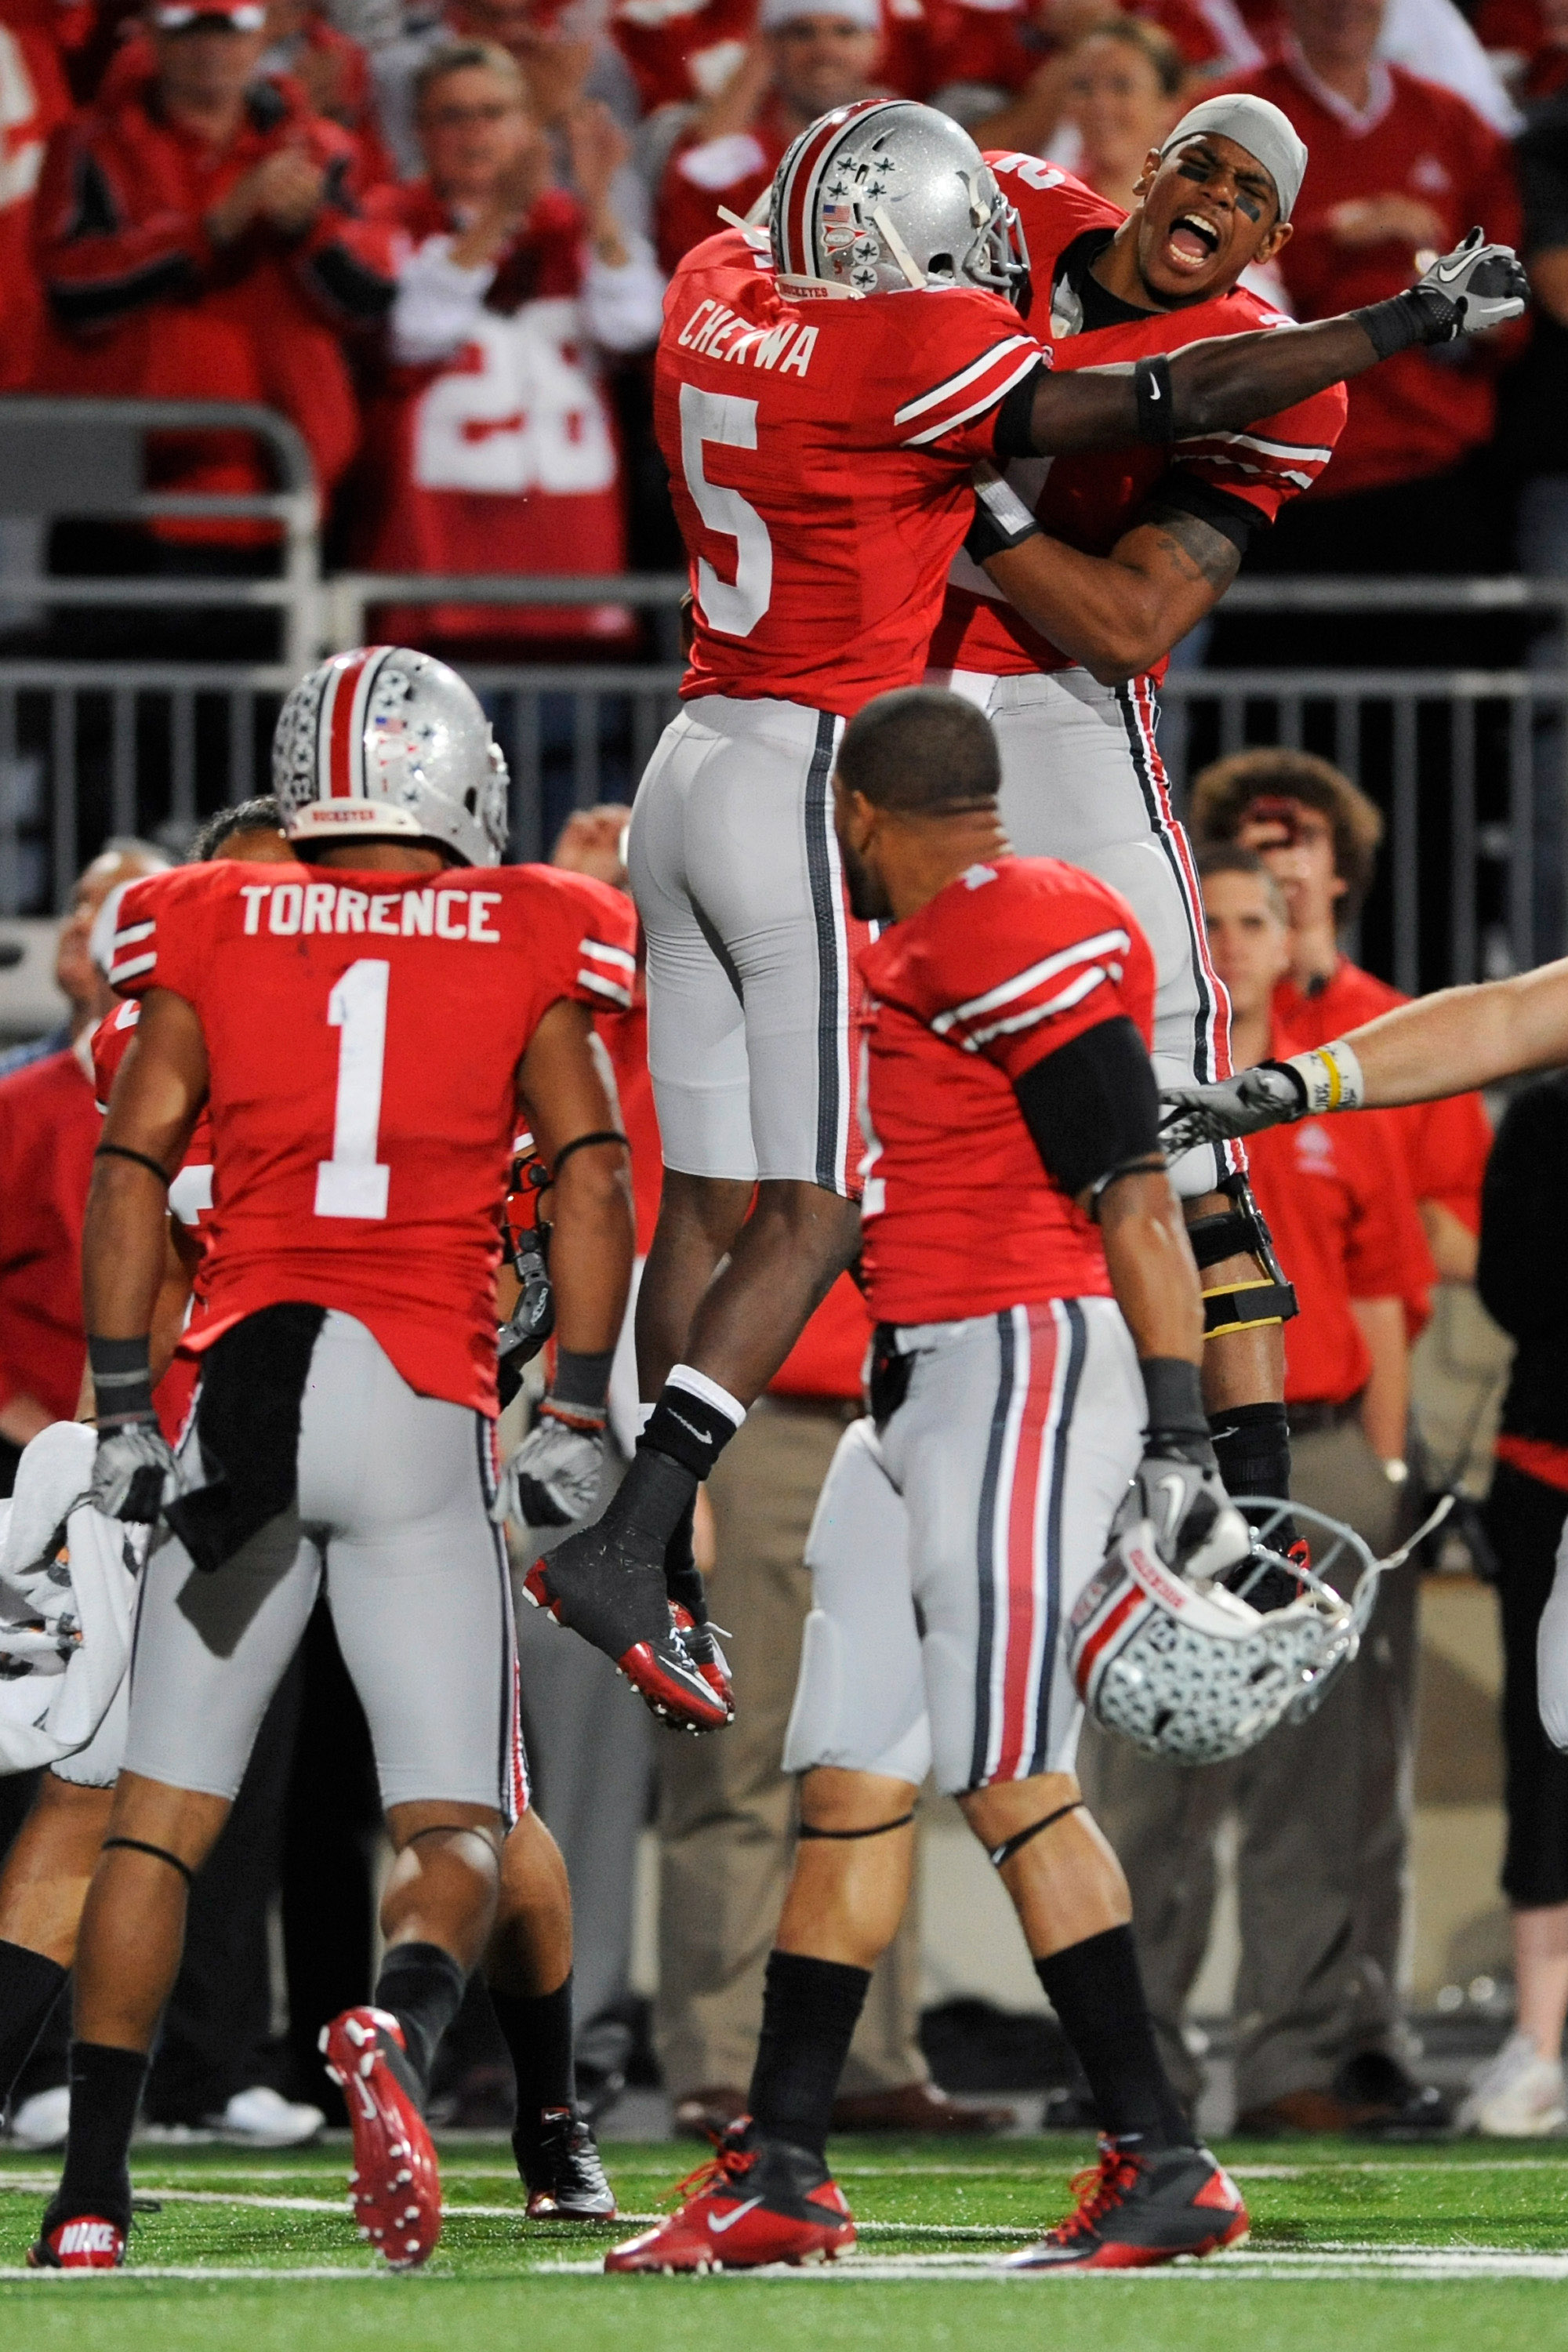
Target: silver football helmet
387 744
1189 1670
887 195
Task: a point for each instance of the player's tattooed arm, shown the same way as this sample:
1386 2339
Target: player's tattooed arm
1122 613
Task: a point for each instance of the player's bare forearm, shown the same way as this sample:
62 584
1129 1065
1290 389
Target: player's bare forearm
567 1087
1120 614
158 1094
1465 1037
1152 1271
1219 385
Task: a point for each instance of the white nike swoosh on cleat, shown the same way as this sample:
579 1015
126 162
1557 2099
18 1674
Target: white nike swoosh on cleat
730 2220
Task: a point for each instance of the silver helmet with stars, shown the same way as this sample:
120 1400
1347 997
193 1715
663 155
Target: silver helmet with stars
385 744
888 196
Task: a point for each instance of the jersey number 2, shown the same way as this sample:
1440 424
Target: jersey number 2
733 608
353 1183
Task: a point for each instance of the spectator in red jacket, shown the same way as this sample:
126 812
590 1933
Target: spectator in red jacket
199 236
809 56
33 100
492 446
1400 169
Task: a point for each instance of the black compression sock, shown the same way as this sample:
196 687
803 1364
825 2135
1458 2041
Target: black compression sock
538 2032
106 2091
30 1987
1252 1446
652 1499
1097 1990
422 1987
810 2011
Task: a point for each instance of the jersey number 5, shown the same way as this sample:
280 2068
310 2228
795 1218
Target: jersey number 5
736 607
353 1183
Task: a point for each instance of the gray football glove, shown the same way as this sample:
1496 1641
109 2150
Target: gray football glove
1485 284
1198 1531
133 1473
1268 1094
553 1478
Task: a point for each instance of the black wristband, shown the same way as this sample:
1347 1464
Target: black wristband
1002 521
1174 1392
121 1380
1420 315
1156 400
581 1381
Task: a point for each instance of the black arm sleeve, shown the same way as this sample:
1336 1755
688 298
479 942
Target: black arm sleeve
1092 1105
1182 493
1012 438
1541 155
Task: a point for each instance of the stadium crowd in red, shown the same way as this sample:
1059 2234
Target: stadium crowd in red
439 246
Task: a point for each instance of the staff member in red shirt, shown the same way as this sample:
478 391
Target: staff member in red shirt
1317 835
1399 168
1318 2050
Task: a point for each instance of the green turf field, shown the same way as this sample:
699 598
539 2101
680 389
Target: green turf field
1464 2246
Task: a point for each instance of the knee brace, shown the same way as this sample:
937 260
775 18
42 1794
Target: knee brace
1241 1228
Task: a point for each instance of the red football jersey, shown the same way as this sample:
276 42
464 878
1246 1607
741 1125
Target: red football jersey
1003 965
363 1033
1089 498
819 453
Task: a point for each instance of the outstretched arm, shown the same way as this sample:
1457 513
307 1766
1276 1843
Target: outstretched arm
1225 384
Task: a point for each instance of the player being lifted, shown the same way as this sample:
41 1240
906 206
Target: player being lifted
821 395
1060 639
364 1038
1037 1307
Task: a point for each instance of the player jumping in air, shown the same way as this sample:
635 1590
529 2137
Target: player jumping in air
364 1032
821 395
1061 639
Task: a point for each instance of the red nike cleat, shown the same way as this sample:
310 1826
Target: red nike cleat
396 2187
755 2202
1135 2209
600 1584
86 2242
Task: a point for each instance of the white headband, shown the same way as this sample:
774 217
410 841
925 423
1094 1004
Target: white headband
1261 128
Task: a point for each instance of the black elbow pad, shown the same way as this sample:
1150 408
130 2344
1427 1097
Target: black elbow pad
1013 436
1092 1105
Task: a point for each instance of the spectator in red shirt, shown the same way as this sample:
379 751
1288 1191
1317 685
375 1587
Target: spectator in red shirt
1318 2019
33 100
48 1132
1319 836
199 236
492 446
1400 169
807 58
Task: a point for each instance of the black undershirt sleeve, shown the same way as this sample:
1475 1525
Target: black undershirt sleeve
1182 493
1092 1105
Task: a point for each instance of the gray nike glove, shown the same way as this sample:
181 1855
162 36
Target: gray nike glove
1476 287
1198 1531
1268 1094
552 1479
133 1473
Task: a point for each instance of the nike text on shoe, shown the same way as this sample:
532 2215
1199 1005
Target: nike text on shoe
756 2201
559 2161
1134 2210
609 1587
394 2183
86 2242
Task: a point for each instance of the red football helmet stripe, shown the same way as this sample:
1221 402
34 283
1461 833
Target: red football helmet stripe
1103 1634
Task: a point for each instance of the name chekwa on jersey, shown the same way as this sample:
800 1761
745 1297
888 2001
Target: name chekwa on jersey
819 453
1004 965
1092 497
363 1033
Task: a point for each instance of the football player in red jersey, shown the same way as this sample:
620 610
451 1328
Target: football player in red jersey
1133 548
1038 1304
342 1431
821 397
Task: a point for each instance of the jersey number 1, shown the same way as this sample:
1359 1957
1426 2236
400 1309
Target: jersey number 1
353 1183
733 607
